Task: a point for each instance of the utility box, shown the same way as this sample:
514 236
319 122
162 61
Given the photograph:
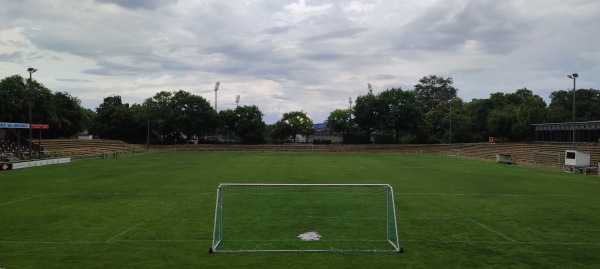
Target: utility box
577 158
496 139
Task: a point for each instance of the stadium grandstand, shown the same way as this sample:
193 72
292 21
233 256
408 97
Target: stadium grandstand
14 146
585 132
323 133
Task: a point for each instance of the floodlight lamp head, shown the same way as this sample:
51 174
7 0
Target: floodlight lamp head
569 76
575 75
31 70
217 85
237 98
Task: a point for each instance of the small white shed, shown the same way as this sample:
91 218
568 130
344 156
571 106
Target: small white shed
577 158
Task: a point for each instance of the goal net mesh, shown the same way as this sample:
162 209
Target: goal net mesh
323 217
456 153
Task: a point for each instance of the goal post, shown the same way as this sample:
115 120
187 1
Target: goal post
457 153
305 217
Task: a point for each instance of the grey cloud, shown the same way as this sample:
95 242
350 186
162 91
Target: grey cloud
347 33
333 50
139 4
324 56
20 57
278 30
13 43
447 27
116 69
73 80
280 97
11 57
383 76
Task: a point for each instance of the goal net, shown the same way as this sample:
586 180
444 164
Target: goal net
457 153
305 217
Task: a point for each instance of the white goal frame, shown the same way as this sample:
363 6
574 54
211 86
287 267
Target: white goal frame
391 220
457 153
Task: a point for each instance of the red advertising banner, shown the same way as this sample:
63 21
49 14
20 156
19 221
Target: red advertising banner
40 126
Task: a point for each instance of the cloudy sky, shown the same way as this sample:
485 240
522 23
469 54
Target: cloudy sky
287 55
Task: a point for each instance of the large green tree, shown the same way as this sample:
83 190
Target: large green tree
479 110
587 105
532 110
508 114
292 124
60 110
193 115
394 115
367 115
13 99
340 121
501 121
401 114
68 117
162 117
113 119
228 120
432 89
250 127
180 116
246 122
451 118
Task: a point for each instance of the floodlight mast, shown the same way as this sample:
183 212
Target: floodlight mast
237 100
31 70
370 88
450 130
574 77
216 89
350 102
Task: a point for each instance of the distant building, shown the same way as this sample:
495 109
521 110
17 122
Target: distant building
322 133
585 132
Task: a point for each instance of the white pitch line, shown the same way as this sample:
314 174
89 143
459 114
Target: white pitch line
130 228
489 194
10 202
503 242
492 230
105 242
428 218
126 193
210 240
295 240
581 179
381 218
360 167
561 177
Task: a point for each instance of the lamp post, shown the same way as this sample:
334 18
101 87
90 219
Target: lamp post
216 89
574 77
450 129
31 70
148 132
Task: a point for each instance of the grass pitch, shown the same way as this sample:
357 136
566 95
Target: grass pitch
156 211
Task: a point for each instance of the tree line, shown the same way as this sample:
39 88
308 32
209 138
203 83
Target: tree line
431 112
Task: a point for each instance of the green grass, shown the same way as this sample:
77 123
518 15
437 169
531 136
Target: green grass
157 210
